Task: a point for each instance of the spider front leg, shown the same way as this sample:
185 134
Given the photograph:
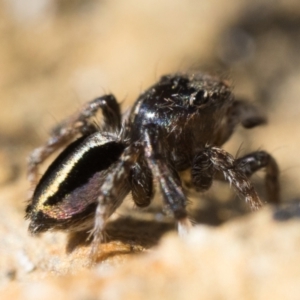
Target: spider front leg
255 161
79 123
202 171
167 178
231 169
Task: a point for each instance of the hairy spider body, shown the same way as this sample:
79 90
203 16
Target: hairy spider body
176 125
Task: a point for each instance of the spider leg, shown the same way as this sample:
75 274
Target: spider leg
242 112
255 161
202 171
167 178
231 169
111 195
141 182
78 123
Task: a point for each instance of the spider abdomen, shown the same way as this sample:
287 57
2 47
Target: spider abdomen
69 188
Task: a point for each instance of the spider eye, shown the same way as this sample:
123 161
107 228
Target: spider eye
199 98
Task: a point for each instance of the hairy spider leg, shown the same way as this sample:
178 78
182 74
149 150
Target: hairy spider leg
225 163
167 177
141 181
255 161
78 123
111 195
202 171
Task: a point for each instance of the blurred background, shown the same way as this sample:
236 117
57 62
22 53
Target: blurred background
57 54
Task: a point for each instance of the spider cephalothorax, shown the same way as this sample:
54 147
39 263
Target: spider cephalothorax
176 125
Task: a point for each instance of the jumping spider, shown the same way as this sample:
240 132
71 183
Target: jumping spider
178 124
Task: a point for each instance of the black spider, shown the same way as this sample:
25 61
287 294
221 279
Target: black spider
178 124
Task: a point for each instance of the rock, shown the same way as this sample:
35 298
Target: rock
254 257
